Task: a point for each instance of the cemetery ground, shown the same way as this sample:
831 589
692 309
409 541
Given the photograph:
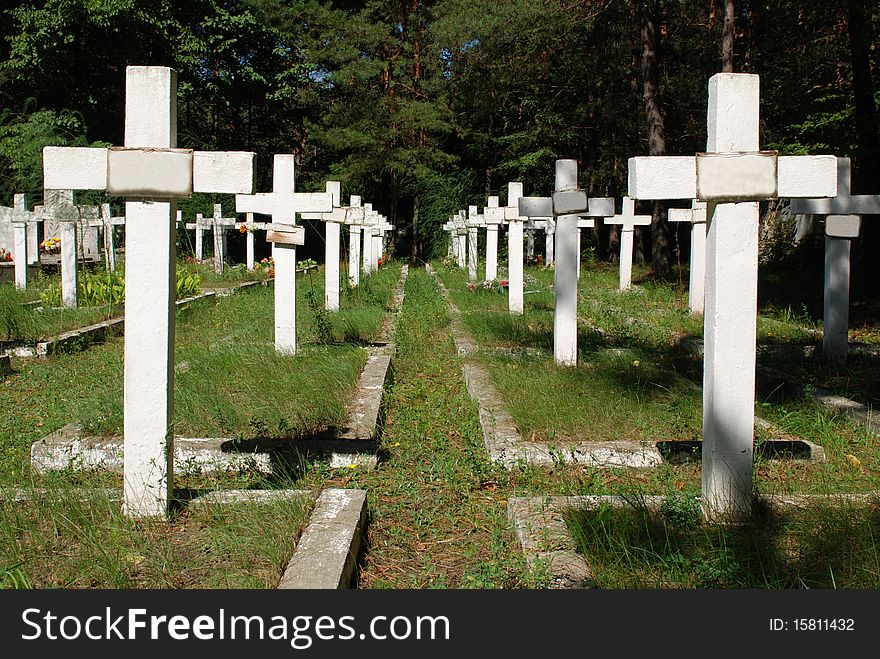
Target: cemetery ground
438 505
229 383
638 379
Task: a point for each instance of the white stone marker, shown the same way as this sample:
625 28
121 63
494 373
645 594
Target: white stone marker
515 279
200 225
566 203
696 215
110 222
474 222
370 220
628 221
354 244
250 226
549 241
461 239
333 222
283 203
493 217
842 224
19 210
530 240
151 174
220 225
59 210
602 207
19 218
733 176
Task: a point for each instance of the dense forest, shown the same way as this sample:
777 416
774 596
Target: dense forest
425 106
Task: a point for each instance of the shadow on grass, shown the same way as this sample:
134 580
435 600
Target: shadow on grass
820 546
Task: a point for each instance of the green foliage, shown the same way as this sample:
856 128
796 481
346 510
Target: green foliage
97 289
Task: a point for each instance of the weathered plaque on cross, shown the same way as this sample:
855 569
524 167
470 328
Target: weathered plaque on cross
842 225
696 216
733 176
628 221
564 206
283 203
151 174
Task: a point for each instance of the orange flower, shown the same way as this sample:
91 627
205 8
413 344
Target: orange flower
242 228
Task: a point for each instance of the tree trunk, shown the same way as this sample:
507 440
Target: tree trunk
661 252
867 152
727 36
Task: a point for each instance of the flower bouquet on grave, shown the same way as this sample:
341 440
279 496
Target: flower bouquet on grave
5 256
51 245
380 261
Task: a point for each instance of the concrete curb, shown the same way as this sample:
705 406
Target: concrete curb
327 552
551 550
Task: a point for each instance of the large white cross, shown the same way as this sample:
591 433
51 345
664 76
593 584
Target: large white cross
283 203
842 224
515 283
23 237
732 176
151 173
696 216
628 221
564 206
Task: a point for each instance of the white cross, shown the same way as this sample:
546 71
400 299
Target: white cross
842 224
628 221
58 212
564 206
474 222
250 226
23 244
151 174
333 222
732 176
493 217
283 203
696 216
354 244
220 225
200 225
109 223
514 221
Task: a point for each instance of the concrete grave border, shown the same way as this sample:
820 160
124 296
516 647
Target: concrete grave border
506 446
70 448
551 550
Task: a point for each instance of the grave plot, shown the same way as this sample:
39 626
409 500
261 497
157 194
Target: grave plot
229 383
633 352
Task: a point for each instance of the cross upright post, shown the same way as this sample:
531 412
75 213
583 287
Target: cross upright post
696 216
493 217
249 227
220 224
842 224
370 220
109 222
515 283
628 220
354 244
283 203
23 237
461 238
474 222
732 177
151 174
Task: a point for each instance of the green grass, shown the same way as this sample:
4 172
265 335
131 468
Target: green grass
61 540
830 545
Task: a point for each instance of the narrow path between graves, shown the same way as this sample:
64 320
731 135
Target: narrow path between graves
437 505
